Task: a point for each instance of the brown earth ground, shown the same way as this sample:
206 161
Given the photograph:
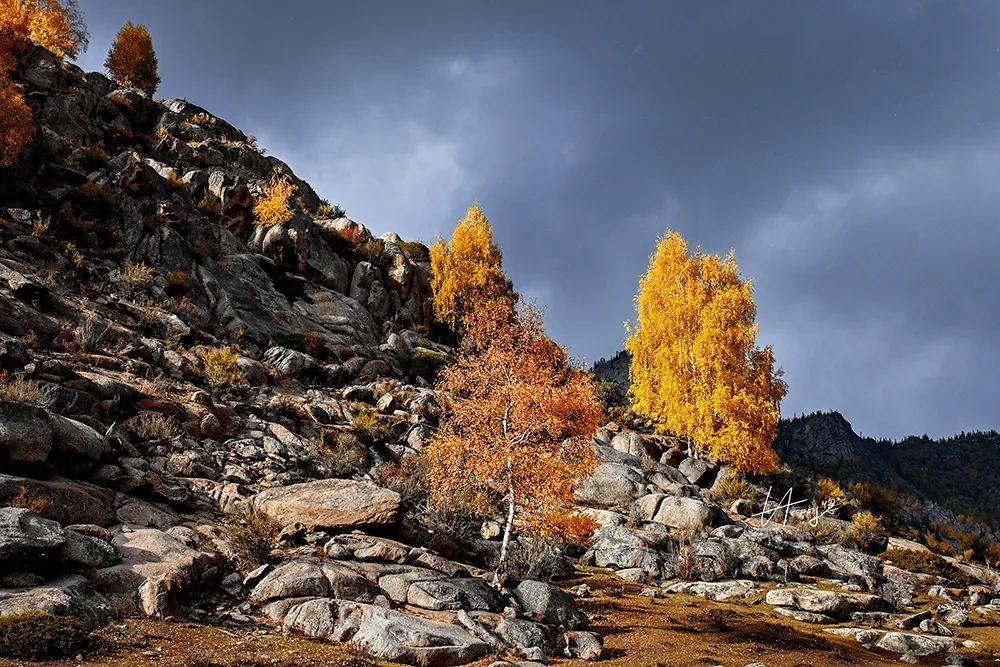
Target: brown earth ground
677 631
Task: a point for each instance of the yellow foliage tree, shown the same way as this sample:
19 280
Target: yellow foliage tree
132 61
696 369
467 272
272 208
516 439
53 24
48 23
16 125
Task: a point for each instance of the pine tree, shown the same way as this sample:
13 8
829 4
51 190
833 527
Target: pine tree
132 61
696 369
467 272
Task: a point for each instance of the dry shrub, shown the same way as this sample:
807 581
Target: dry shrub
152 426
14 388
733 488
927 563
687 564
97 192
540 558
40 228
345 455
40 635
828 489
367 426
251 534
74 255
136 278
210 205
272 207
220 368
866 532
90 333
825 532
201 118
93 157
330 211
30 500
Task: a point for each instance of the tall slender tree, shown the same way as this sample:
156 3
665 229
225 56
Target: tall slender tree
467 272
516 439
132 61
696 369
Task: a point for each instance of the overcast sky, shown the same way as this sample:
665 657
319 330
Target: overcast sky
848 152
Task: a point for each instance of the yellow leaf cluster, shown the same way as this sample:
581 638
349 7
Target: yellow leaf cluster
16 126
132 61
696 370
51 24
467 272
272 208
47 23
516 437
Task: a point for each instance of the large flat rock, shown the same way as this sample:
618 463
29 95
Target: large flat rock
330 503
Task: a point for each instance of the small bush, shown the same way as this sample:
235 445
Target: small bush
416 251
136 278
345 455
40 228
39 635
538 558
272 207
201 118
90 333
424 364
221 370
828 489
210 205
926 563
252 535
97 192
367 426
93 157
13 388
825 531
30 500
152 426
733 488
327 211
866 532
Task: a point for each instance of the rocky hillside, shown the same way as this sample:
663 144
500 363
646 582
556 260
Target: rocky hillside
207 419
954 474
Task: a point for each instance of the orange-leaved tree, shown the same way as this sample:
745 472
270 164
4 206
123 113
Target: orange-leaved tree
696 369
516 437
53 24
467 272
47 23
132 61
16 125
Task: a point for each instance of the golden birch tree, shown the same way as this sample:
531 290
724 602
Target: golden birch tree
467 272
516 439
696 369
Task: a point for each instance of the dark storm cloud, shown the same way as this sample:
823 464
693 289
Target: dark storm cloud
849 153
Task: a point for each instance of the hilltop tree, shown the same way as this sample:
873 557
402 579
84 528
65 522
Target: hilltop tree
696 369
467 272
516 439
132 61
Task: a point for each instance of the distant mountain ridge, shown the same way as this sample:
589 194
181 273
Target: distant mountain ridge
957 474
